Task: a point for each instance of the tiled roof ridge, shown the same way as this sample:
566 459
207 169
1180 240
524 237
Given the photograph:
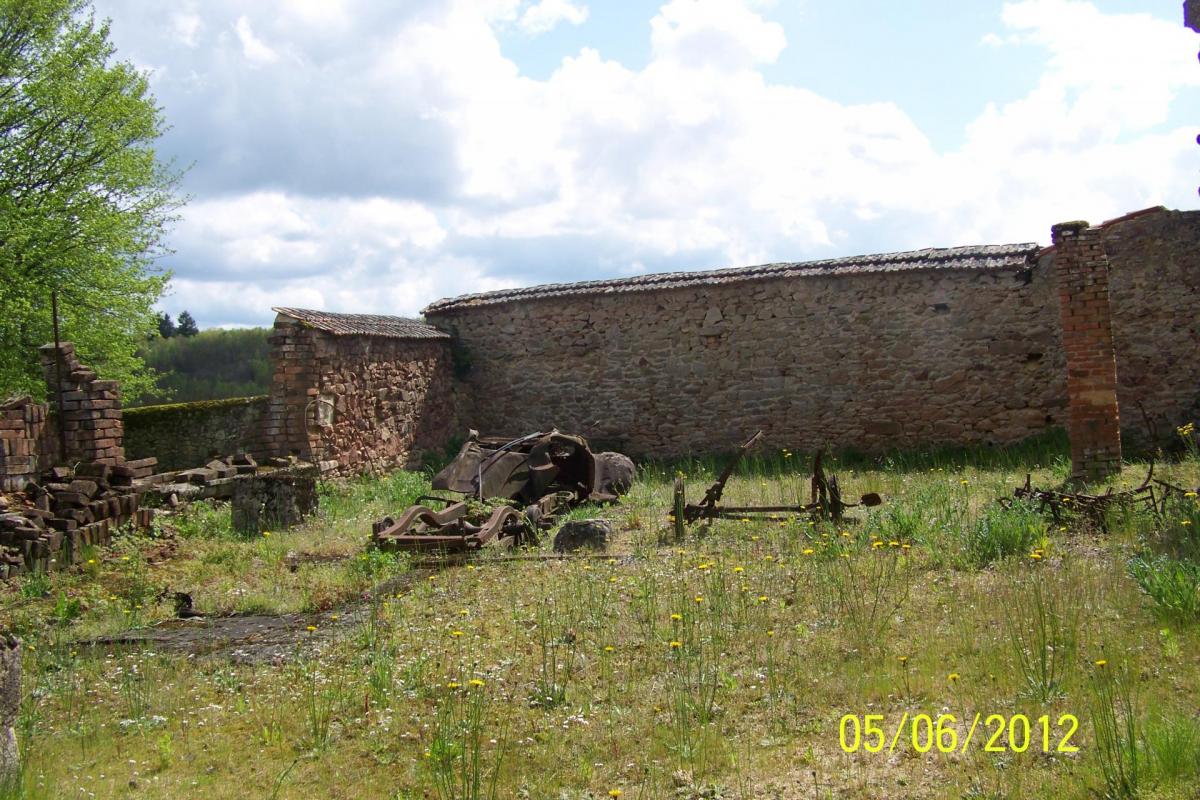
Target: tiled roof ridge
341 324
966 257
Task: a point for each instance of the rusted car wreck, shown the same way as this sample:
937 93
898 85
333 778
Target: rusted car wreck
510 490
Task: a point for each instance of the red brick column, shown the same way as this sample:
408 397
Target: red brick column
293 390
1081 267
91 408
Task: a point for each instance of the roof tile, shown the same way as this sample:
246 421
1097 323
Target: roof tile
364 324
980 257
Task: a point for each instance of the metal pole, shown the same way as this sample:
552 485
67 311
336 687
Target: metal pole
62 429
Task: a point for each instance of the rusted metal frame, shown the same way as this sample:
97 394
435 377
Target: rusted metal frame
505 522
713 495
1092 506
826 497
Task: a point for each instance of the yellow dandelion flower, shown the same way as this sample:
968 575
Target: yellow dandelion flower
808 551
675 645
903 659
456 633
739 569
476 682
676 617
702 566
266 534
1101 662
699 598
762 598
311 628
453 685
770 633
609 648
952 677
615 793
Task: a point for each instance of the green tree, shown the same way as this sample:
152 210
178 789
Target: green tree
187 325
166 325
83 199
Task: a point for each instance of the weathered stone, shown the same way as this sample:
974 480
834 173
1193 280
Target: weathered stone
10 707
577 534
617 472
273 500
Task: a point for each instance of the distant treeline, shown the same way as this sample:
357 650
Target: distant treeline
210 365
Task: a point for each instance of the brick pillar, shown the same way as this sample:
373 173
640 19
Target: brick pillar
293 390
91 408
1081 267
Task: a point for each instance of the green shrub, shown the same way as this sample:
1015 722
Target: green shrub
1003 532
1173 744
1173 585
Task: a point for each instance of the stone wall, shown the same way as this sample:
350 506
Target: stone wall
871 361
183 435
1154 287
357 403
863 360
10 708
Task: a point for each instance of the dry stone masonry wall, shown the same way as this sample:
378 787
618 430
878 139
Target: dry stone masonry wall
964 347
1154 291
358 393
859 360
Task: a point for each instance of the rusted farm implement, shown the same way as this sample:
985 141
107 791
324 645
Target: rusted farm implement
510 489
827 501
1151 494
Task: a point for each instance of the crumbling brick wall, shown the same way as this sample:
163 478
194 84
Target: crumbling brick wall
90 414
24 441
357 402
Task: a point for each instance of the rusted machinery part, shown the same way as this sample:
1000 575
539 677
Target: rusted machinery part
505 526
827 501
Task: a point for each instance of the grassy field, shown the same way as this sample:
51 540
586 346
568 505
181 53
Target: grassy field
720 666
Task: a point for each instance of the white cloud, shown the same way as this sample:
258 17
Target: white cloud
719 33
404 157
254 49
546 15
187 27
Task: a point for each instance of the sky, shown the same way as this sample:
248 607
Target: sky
359 156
